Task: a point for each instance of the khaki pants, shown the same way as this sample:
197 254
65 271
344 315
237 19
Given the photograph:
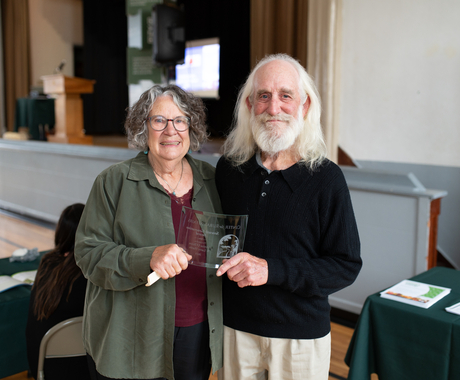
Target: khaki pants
252 357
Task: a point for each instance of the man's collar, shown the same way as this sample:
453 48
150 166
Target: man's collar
249 167
259 162
294 175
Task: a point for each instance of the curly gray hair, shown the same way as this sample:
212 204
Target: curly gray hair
189 104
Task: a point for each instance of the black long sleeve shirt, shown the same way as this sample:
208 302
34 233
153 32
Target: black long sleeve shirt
302 223
71 368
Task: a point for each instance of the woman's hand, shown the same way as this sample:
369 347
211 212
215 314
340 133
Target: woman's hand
169 260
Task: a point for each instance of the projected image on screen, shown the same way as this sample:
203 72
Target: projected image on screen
200 72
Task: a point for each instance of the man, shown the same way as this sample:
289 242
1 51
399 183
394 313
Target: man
301 243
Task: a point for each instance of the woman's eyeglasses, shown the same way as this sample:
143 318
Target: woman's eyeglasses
159 123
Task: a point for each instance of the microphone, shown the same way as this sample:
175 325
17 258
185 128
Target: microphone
58 69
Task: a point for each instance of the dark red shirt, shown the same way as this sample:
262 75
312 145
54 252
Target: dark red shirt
191 291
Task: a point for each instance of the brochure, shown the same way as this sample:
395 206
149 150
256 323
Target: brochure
17 279
415 293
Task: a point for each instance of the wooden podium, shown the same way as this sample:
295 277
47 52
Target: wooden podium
68 107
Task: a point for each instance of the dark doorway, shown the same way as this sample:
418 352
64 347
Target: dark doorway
230 21
104 60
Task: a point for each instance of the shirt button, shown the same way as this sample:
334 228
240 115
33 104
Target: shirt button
213 331
264 194
211 276
267 181
212 303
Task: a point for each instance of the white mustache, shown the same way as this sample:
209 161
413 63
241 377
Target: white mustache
265 117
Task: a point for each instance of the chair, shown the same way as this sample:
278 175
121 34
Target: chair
62 340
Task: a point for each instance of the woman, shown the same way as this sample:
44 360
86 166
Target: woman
58 294
128 230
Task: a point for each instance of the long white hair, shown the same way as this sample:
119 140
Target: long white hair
309 146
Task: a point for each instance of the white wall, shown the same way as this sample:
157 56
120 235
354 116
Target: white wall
401 81
55 27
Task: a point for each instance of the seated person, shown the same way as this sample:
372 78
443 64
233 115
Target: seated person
58 294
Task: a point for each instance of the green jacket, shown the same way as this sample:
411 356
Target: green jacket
128 328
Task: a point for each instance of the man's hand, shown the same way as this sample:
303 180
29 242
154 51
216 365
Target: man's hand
169 260
245 270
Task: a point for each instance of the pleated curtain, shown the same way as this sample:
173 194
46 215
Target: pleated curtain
310 31
16 54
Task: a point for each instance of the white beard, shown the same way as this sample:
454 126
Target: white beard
273 139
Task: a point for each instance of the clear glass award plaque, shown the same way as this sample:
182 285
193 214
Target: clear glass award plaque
210 237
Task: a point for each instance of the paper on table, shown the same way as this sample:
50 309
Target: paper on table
27 276
17 279
455 309
8 282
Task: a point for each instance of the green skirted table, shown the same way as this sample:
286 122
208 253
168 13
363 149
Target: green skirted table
404 342
14 307
33 113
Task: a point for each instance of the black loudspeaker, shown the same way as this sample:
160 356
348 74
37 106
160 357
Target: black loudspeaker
168 35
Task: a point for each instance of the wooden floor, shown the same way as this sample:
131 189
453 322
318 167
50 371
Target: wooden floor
17 232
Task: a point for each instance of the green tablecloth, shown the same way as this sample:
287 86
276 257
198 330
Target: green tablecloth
14 306
33 112
403 342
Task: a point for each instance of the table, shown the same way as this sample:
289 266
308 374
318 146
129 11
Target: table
399 341
14 306
33 112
